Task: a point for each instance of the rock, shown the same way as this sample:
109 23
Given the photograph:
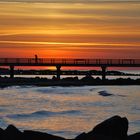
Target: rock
1 133
114 128
81 136
134 137
34 135
85 136
104 93
11 132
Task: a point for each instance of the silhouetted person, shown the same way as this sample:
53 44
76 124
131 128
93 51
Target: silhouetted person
36 59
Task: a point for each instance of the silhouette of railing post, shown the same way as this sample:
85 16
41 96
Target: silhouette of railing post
58 71
11 71
103 72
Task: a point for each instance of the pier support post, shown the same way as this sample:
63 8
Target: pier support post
58 71
103 72
11 71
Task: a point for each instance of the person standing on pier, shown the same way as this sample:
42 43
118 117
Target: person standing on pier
36 59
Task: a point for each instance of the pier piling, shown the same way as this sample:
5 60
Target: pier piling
58 72
103 72
11 71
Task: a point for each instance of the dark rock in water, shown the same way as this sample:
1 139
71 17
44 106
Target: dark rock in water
33 135
134 137
114 128
12 129
93 137
11 132
104 93
81 136
1 133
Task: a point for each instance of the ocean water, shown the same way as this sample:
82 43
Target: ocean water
68 111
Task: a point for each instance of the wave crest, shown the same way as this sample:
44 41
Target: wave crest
43 113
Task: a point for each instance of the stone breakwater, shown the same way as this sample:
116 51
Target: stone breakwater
114 128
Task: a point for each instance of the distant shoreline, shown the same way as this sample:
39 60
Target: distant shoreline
5 71
70 81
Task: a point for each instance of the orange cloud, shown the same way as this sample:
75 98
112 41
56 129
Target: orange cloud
70 30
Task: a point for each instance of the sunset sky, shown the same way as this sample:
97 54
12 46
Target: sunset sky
69 28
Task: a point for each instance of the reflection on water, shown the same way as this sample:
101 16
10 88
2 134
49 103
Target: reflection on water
68 111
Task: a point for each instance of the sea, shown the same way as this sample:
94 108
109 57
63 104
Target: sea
68 111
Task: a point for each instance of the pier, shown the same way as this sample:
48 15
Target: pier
62 62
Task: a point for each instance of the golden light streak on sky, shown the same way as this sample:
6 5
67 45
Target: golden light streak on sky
97 30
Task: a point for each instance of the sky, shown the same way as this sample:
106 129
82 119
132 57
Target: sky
64 1
70 29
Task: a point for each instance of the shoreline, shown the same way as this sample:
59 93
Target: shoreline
70 81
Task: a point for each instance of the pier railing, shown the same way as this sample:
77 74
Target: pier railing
63 61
